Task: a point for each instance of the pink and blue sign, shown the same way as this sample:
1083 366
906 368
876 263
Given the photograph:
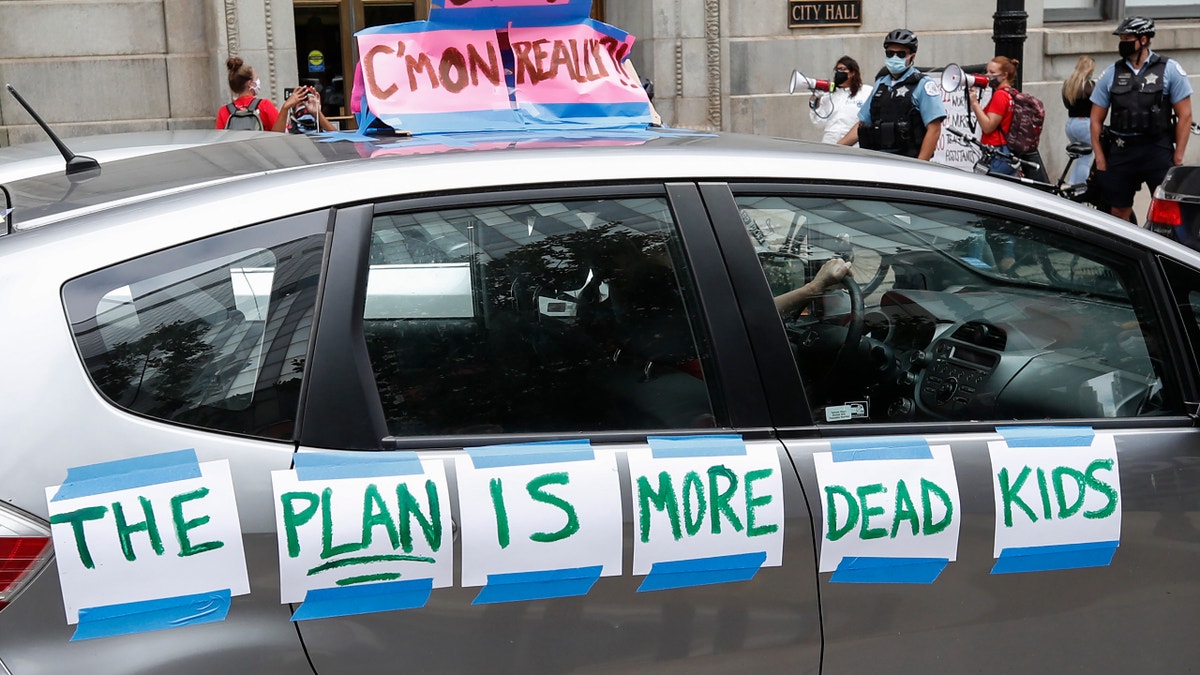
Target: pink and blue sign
502 64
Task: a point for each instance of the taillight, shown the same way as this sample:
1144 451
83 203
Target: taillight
24 551
1165 212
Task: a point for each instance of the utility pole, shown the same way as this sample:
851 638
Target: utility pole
1008 31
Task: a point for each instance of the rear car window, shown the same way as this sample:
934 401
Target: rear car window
557 316
212 334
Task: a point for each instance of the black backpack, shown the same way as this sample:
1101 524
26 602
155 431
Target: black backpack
246 118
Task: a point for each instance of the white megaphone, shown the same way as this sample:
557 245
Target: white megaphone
800 80
954 78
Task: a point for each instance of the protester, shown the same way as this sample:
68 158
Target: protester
245 85
995 120
906 111
1150 99
301 113
835 112
1076 97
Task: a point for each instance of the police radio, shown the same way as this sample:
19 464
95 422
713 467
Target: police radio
799 80
953 79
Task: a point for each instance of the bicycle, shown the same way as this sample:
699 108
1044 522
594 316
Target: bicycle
1076 192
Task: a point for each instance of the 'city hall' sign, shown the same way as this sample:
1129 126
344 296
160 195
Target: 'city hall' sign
803 13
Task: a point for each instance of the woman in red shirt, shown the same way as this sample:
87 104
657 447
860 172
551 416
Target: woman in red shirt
244 84
996 119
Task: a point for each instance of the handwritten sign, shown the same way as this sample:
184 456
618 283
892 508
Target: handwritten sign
146 544
707 510
362 533
478 65
892 510
539 520
1058 499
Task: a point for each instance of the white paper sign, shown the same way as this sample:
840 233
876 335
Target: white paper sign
521 512
706 505
156 541
1055 495
888 508
344 532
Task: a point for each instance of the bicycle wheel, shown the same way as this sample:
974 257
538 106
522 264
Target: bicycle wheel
868 266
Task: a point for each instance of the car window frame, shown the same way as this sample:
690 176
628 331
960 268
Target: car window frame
780 375
341 367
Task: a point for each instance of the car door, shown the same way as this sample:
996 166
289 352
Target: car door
176 363
545 413
997 451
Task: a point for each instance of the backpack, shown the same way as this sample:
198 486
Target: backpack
246 118
1027 118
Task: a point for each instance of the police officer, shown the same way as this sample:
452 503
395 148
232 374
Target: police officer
906 111
1150 99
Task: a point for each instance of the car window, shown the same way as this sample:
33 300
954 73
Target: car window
213 333
543 317
966 316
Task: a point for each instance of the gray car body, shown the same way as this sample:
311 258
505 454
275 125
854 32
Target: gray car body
1140 612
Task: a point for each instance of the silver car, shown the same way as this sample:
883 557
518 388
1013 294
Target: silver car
548 403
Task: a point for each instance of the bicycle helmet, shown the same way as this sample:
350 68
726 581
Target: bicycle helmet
1136 25
903 37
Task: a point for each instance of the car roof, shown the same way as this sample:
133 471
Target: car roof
39 158
298 172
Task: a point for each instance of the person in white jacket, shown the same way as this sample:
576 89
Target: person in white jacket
835 112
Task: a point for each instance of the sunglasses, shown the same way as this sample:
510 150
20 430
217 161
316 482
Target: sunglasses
895 52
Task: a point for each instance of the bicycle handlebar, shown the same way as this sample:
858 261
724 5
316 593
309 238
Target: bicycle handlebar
992 151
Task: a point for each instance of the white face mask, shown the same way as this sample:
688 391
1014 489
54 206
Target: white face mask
255 85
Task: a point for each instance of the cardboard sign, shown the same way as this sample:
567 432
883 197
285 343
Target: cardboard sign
146 544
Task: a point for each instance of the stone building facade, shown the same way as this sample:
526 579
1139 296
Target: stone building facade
98 66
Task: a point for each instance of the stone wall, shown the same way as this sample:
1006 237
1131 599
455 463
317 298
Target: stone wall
105 66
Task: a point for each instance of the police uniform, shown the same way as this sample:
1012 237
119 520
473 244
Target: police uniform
899 111
1139 142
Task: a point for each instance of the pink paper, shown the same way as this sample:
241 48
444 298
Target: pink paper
437 71
572 64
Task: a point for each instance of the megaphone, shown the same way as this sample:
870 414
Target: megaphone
953 78
799 80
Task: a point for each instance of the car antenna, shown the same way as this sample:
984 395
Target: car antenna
75 163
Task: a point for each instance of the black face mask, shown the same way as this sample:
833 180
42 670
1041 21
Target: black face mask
993 82
1127 48
840 77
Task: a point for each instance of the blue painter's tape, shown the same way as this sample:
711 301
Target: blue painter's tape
123 474
1042 437
600 115
526 454
475 120
703 571
148 615
863 570
324 603
895 447
522 586
568 12
330 465
716 445
1059 557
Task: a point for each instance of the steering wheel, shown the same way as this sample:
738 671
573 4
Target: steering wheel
824 340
